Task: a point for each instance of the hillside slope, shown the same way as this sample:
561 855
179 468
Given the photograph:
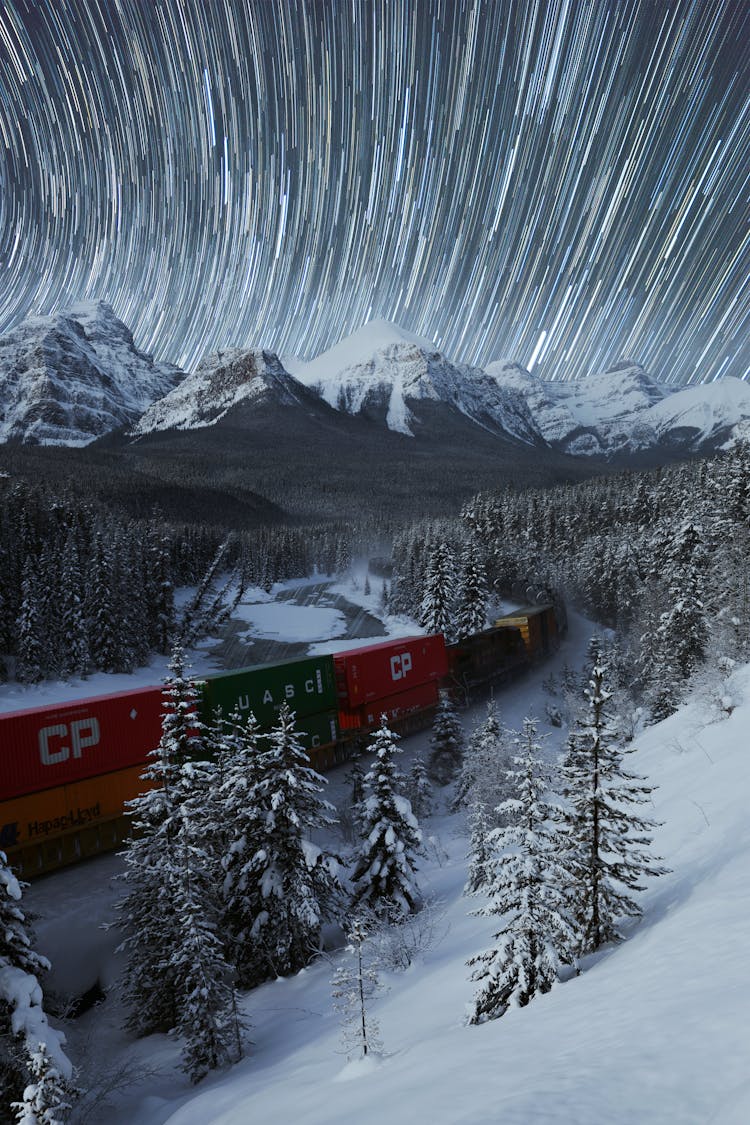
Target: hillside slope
652 1031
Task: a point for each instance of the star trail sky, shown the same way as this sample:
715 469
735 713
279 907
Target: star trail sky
562 182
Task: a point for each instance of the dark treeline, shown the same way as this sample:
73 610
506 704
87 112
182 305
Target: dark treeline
659 557
84 588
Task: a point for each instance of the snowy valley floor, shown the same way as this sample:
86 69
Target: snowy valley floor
655 1030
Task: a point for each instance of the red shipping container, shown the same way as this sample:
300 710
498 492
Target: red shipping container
394 707
56 745
397 707
378 671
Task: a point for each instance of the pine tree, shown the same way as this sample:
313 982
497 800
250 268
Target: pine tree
607 841
74 659
160 591
480 849
447 742
419 789
473 592
484 772
31 664
383 876
47 1098
296 880
25 1034
150 984
104 642
206 1004
527 885
242 806
353 989
438 600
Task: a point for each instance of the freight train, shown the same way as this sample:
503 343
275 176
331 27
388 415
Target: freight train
67 771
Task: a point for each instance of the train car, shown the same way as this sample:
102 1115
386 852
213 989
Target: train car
397 708
364 675
67 770
483 658
308 686
537 625
46 747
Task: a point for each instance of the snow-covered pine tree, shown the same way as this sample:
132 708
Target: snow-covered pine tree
419 789
484 772
296 881
74 659
146 913
439 594
383 877
473 591
48 1095
31 663
606 841
24 1030
242 806
101 607
527 883
446 742
160 591
353 987
206 1003
480 849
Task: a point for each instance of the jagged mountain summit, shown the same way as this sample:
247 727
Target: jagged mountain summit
623 410
222 381
69 378
389 375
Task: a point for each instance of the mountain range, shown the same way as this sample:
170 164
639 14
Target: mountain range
73 377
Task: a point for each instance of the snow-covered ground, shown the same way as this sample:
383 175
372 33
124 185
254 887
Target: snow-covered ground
268 616
653 1031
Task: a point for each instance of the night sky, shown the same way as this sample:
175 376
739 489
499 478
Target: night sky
564 183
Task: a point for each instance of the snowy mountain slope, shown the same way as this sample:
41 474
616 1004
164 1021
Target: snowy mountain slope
599 415
653 1031
385 372
709 413
220 382
68 378
624 410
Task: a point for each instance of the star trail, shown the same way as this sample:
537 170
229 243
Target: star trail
559 182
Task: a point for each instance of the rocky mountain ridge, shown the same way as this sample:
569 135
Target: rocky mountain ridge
72 377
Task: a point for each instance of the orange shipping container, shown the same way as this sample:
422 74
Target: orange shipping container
39 817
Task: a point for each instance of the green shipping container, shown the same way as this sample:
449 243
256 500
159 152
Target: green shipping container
313 731
318 730
308 686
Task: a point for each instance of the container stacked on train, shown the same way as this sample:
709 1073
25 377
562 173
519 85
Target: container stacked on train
66 771
397 679
307 686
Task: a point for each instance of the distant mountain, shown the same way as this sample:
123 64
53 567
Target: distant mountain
706 414
71 377
389 375
624 410
221 382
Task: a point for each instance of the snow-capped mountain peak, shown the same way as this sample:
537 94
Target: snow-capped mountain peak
221 381
382 370
70 377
